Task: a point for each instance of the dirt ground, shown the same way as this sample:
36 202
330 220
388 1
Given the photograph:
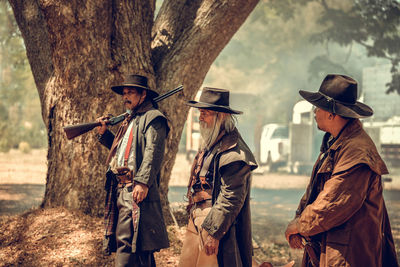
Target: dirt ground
30 236
20 168
58 237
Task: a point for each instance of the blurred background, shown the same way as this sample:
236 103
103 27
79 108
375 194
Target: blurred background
284 46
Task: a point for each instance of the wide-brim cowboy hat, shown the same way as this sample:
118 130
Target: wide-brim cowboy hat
214 99
135 81
338 94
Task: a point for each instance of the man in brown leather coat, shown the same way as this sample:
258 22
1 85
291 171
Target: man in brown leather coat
219 228
342 219
133 215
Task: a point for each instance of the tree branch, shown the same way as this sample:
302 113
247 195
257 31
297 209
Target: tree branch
189 35
370 47
131 33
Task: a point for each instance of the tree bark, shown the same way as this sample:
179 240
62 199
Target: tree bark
187 37
78 50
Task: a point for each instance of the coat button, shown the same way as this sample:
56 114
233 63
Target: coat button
329 169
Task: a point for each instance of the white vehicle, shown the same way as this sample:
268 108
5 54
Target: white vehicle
274 145
386 136
305 138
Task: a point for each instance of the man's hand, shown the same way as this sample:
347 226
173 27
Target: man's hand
102 129
139 192
291 230
210 244
296 241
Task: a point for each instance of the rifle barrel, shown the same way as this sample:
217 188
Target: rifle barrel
168 94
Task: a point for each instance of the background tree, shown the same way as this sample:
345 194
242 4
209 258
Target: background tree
77 50
374 25
283 47
20 119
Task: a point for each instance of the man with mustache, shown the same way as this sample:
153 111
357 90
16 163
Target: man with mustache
134 222
342 219
219 227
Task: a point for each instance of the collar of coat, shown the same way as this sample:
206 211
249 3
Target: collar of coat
353 147
232 148
143 108
229 140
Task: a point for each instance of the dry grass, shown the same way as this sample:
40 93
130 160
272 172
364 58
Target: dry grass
59 237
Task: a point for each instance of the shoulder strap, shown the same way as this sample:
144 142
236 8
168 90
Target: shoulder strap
128 147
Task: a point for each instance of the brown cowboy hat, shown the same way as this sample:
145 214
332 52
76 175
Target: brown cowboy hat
214 99
338 94
135 81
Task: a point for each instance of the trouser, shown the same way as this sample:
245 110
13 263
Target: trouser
124 234
193 253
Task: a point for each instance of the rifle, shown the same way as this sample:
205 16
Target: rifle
73 131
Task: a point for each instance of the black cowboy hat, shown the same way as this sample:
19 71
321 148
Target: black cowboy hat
338 94
214 99
135 81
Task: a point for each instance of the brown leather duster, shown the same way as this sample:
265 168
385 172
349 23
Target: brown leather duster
349 214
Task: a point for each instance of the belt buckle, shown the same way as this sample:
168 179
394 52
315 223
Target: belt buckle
123 170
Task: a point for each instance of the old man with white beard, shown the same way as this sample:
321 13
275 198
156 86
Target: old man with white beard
219 227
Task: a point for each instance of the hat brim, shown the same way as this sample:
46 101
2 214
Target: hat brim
357 110
208 106
120 88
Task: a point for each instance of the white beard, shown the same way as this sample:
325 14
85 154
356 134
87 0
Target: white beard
209 134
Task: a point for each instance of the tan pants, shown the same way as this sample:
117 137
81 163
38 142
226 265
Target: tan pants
193 253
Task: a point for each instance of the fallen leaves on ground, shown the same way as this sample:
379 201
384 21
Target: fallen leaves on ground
59 237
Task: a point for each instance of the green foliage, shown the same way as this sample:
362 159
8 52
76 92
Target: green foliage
372 24
287 45
20 111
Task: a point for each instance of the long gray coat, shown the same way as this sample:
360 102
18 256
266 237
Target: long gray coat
229 219
149 140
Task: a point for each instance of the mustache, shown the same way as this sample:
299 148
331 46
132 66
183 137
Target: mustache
127 102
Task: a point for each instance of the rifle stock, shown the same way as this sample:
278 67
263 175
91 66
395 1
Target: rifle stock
73 131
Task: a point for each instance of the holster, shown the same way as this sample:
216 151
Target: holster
124 175
312 249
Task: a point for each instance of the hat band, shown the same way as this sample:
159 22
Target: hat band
333 101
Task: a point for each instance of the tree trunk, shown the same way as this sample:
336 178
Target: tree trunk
77 50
